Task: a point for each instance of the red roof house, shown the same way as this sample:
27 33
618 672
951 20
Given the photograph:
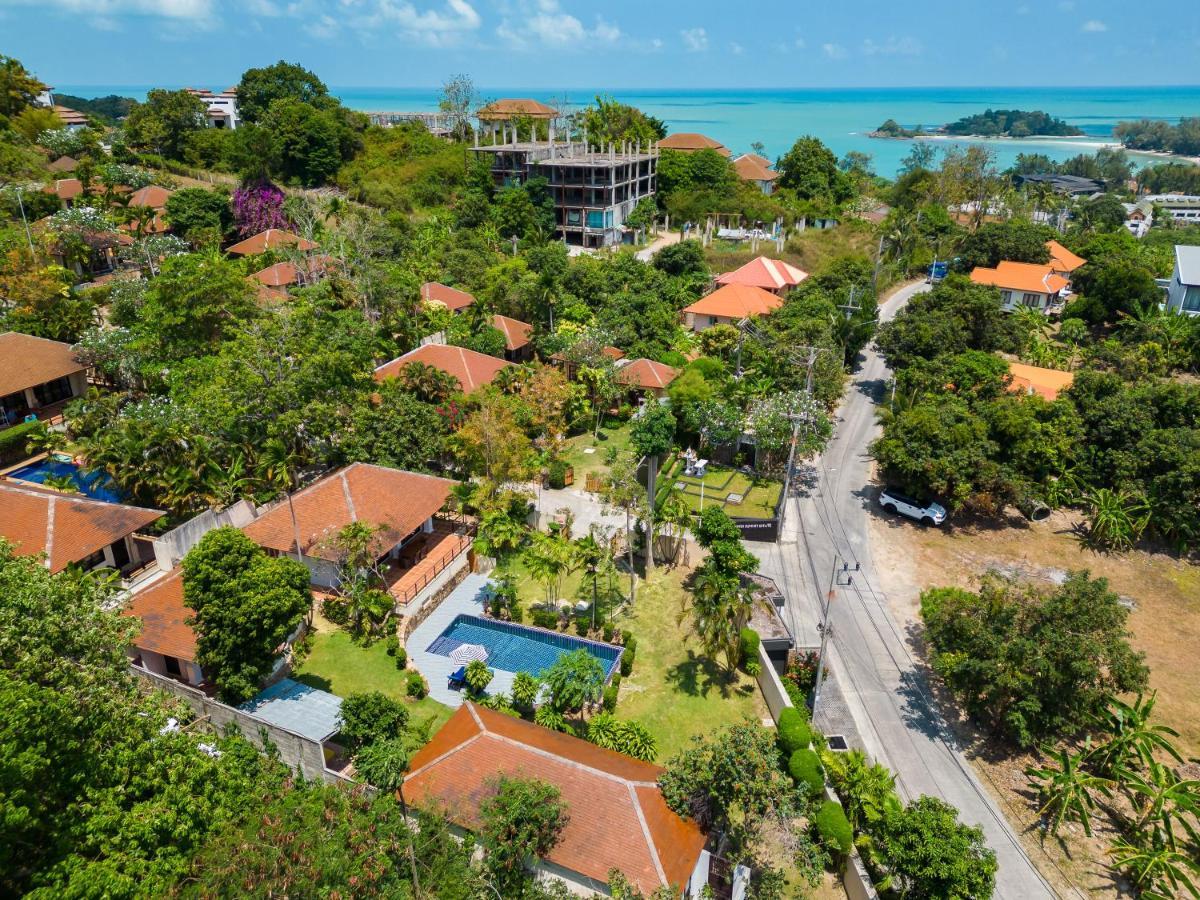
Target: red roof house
617 818
166 644
690 142
451 298
772 275
472 369
647 376
271 239
728 305
1022 284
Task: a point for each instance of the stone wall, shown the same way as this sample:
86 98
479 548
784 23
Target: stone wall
295 750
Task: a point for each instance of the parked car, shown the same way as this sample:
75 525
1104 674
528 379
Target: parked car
895 503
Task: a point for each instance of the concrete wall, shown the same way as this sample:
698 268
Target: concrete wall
296 751
856 880
173 546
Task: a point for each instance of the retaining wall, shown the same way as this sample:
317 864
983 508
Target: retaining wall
295 750
856 880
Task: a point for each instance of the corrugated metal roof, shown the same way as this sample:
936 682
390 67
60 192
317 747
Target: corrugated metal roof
298 708
1187 262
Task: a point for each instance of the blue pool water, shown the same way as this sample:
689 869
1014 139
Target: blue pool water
96 485
515 648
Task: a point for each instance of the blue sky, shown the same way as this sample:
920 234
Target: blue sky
559 44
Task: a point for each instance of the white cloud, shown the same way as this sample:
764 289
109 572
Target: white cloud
695 39
1094 26
736 49
893 46
265 8
656 43
834 51
1023 9
322 27
546 24
437 27
106 9
799 43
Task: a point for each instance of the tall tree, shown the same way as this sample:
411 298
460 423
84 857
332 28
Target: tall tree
18 88
165 122
259 88
652 435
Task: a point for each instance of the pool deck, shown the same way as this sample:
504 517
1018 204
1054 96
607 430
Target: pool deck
466 598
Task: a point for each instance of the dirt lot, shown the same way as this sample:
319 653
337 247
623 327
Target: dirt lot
1165 622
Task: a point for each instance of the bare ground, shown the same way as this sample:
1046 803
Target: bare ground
1164 621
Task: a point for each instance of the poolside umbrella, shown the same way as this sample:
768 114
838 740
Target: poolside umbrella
465 653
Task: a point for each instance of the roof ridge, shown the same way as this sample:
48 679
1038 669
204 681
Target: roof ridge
346 492
651 846
50 507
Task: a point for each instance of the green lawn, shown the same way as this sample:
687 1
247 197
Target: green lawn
612 434
340 666
674 689
761 495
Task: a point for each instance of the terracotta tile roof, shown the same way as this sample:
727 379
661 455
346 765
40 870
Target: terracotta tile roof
765 273
751 168
452 298
30 361
164 618
279 275
736 301
689 142
150 195
517 106
646 374
1035 380
66 527
69 116
396 500
613 353
472 369
66 188
516 333
758 158
1026 277
266 296
271 239
617 816
1063 260
63 164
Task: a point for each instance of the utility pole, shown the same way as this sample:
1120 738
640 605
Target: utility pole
826 626
849 307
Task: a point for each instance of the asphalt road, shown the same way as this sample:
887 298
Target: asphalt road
886 693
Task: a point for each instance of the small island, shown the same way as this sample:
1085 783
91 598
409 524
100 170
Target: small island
893 129
1015 123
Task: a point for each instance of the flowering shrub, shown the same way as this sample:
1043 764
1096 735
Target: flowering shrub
801 677
258 207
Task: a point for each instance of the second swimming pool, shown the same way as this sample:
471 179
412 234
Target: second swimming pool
516 648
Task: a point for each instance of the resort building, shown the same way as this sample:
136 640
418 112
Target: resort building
1036 380
1023 284
284 275
617 817
451 298
72 529
517 346
67 190
728 305
271 239
757 170
594 191
37 378
1183 208
166 644
1183 291
772 275
690 142
498 116
472 368
645 377
415 541
1068 185
1062 261
63 164
72 120
221 109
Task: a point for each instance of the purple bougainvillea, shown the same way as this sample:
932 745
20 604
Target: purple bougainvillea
257 207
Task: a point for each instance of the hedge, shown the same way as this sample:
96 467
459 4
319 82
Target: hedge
833 827
794 733
14 439
805 768
748 638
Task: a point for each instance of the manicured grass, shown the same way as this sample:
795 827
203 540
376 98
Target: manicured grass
674 689
760 495
612 434
340 666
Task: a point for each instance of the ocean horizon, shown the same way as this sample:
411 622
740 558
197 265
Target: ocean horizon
841 117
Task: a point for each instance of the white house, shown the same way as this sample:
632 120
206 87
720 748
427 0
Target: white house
1183 293
222 108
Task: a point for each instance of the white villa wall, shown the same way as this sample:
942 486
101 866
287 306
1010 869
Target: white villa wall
1180 295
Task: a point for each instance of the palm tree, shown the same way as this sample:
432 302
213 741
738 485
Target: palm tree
720 607
547 559
430 384
384 764
1066 790
280 463
868 791
676 515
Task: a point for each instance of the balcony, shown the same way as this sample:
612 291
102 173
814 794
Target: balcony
426 557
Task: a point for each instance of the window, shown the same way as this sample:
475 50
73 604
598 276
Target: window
53 391
1006 297
1032 300
1191 300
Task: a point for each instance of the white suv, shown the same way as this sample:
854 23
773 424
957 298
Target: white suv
926 513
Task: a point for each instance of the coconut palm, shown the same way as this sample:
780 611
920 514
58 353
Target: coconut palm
430 384
385 764
868 791
719 609
1066 790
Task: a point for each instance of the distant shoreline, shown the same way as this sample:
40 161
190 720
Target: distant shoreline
1081 140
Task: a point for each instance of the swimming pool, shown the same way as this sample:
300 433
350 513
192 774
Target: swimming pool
97 485
516 648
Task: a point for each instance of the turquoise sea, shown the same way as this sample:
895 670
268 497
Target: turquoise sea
839 117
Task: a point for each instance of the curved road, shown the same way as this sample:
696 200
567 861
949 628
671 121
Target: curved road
883 688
